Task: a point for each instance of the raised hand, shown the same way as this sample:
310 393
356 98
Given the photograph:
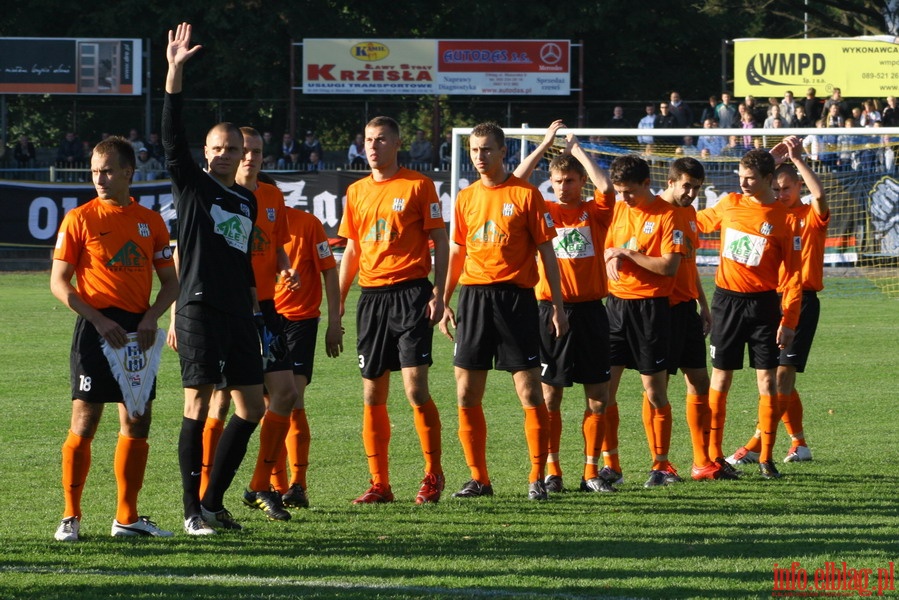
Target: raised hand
178 50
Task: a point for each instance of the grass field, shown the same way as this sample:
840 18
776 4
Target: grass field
694 540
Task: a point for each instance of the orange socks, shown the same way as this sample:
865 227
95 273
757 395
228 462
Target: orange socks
473 436
129 466
536 431
376 440
594 431
610 439
212 432
555 440
271 441
646 417
697 407
661 429
718 414
76 462
769 416
297 443
427 425
792 419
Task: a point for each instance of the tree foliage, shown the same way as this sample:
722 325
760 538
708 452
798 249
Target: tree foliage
633 52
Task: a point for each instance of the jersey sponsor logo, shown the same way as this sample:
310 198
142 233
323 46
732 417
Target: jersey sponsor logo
744 248
435 210
678 237
270 213
766 228
398 204
324 249
236 229
574 242
381 232
143 230
489 233
260 242
649 227
508 209
548 218
129 256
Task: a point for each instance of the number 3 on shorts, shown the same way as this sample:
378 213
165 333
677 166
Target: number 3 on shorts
361 361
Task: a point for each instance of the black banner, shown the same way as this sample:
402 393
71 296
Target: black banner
32 212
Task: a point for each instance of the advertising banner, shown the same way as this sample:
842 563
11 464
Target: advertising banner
861 67
33 212
441 67
71 66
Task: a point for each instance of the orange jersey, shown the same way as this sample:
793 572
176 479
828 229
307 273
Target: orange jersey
812 233
310 254
115 251
578 247
756 239
685 280
501 228
269 234
652 229
391 222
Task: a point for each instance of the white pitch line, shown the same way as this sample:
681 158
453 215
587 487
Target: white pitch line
304 583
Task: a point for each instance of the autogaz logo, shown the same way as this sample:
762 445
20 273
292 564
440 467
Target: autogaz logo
784 68
369 51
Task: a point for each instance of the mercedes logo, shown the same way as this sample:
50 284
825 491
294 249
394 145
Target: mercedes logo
550 53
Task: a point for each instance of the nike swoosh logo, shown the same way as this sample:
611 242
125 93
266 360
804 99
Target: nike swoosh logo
298 364
268 462
792 355
198 293
425 355
661 360
532 357
102 233
194 473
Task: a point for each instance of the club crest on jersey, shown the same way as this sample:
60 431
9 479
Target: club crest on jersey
143 230
649 227
508 209
766 228
245 209
678 237
270 212
549 220
398 204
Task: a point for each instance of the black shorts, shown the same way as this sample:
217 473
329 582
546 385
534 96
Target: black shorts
216 347
498 323
393 328
275 325
92 379
796 354
638 333
686 346
301 337
581 355
744 319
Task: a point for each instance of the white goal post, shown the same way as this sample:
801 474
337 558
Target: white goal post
858 167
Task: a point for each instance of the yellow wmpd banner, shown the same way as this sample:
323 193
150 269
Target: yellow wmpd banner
861 66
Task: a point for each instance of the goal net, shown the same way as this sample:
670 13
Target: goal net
857 167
